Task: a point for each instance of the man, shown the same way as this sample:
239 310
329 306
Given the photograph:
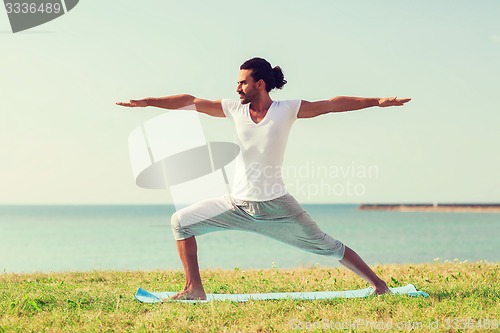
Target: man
259 201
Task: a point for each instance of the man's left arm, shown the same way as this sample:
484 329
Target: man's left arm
345 103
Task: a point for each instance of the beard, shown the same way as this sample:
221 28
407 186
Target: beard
248 97
244 99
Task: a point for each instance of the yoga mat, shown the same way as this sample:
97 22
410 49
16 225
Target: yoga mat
145 296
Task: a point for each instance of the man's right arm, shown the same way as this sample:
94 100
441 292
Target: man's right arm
211 108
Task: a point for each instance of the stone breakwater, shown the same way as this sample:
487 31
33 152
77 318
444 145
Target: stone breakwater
455 208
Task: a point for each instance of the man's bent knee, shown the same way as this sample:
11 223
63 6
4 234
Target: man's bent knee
178 230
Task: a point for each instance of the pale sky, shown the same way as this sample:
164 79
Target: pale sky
63 140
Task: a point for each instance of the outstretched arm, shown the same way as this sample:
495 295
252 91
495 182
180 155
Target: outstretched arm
345 103
212 108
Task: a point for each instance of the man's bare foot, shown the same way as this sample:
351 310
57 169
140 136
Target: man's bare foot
189 295
381 288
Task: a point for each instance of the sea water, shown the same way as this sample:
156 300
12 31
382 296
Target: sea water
83 238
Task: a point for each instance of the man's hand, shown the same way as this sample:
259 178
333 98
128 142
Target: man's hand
392 101
134 103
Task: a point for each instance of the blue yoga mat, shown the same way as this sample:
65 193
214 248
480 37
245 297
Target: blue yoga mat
145 296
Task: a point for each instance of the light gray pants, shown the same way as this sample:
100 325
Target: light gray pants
282 219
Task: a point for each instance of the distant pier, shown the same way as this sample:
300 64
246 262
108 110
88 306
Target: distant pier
434 207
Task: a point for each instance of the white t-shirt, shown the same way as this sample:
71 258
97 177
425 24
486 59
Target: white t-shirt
258 166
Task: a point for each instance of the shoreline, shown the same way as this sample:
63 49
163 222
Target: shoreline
452 208
176 271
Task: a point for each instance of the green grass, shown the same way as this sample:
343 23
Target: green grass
463 298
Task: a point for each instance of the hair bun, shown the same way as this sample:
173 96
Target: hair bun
279 77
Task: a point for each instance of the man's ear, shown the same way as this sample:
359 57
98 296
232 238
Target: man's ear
261 84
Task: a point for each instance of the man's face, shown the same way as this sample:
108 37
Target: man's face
247 87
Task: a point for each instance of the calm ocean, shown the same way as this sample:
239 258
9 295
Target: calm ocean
82 238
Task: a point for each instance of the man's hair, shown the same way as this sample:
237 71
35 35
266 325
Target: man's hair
262 70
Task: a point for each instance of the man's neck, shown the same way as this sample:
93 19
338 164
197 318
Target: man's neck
262 104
